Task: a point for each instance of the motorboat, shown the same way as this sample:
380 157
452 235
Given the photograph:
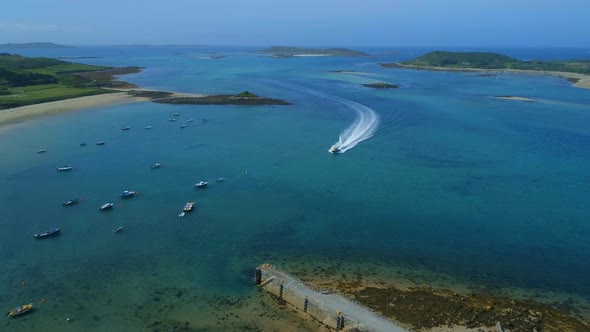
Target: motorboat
70 202
147 127
41 151
20 310
182 126
171 120
188 207
118 229
335 149
189 120
106 206
156 165
100 143
176 114
201 184
127 193
220 179
64 168
48 233
125 128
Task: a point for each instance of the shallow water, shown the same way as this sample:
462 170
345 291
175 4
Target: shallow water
487 192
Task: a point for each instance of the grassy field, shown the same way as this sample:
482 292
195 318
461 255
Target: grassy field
67 69
36 94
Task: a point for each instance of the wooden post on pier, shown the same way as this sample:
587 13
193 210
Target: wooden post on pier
258 276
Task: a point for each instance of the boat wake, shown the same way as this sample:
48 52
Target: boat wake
364 126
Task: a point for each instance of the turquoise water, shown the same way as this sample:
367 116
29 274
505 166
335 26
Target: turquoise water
491 192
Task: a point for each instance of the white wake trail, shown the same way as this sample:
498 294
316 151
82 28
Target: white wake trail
363 127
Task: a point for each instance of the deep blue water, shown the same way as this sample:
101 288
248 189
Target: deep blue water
491 192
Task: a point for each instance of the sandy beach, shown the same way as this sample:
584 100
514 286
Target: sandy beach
582 81
19 114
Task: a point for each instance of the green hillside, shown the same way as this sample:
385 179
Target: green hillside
488 60
25 80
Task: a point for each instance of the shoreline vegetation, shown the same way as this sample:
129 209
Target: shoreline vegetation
435 308
575 71
32 87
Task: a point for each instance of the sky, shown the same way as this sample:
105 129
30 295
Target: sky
474 23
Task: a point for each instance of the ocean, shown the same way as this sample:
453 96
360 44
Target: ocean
445 185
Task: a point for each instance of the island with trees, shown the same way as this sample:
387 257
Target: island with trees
575 71
287 52
243 98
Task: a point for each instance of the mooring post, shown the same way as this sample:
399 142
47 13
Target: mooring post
258 276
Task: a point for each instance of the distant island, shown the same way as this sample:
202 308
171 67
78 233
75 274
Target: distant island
381 85
26 80
575 71
286 51
32 45
243 98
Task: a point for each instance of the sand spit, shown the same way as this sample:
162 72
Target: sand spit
20 114
578 80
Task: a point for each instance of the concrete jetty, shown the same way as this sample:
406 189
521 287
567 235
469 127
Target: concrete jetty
333 310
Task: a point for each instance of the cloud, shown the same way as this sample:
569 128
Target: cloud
27 27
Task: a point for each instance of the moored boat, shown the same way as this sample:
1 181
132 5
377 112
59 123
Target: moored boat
156 165
106 206
64 168
171 120
188 207
176 114
189 120
48 233
118 229
125 128
147 127
182 126
128 193
201 184
41 151
20 310
70 202
100 143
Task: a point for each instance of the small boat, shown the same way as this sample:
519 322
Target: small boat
118 229
156 165
182 126
147 127
220 179
70 202
176 114
41 151
128 193
171 120
188 207
100 143
106 206
201 184
64 168
182 214
82 144
20 310
50 232
125 128
335 149
189 120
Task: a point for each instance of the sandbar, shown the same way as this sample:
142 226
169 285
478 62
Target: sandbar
578 80
19 114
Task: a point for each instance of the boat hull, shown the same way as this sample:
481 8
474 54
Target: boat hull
20 310
49 233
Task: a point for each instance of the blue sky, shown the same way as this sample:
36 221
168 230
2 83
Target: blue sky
299 22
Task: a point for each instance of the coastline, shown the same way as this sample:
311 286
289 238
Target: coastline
23 113
578 80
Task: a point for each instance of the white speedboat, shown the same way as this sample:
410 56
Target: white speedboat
335 149
156 165
64 168
201 184
106 206
147 127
